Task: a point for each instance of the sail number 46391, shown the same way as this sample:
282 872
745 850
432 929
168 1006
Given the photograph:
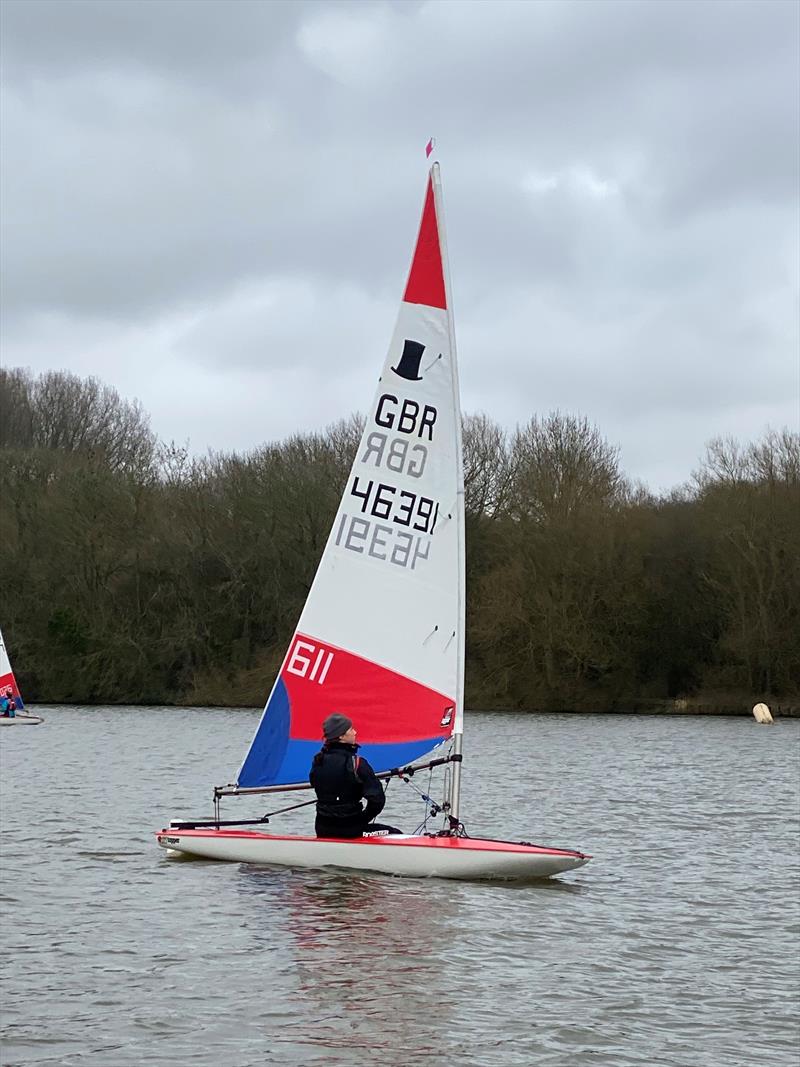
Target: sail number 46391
380 541
397 505
403 547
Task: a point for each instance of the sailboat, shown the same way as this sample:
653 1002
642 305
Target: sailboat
381 636
13 713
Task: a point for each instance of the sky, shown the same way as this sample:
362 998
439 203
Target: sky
212 206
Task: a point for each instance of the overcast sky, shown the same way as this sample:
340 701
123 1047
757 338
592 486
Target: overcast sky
212 207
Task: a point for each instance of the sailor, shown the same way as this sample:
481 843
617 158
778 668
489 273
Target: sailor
8 705
342 779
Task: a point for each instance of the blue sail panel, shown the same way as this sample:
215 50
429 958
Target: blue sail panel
297 756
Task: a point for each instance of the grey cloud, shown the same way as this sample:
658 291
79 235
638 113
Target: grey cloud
205 42
620 181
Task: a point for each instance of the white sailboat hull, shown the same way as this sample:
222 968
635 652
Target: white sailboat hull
414 857
20 720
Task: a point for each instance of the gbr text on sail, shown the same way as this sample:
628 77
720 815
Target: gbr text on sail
381 519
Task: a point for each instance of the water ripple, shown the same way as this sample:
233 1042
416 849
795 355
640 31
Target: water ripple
669 950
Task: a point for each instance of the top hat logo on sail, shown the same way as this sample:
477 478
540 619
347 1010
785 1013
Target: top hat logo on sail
408 367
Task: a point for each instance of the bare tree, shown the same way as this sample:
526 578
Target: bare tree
486 465
561 464
772 460
749 504
61 411
16 409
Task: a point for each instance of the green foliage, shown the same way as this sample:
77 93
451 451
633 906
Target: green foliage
132 572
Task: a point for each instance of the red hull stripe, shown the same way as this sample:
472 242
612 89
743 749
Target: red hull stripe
426 279
464 844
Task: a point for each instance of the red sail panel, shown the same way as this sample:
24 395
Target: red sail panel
384 706
426 280
9 688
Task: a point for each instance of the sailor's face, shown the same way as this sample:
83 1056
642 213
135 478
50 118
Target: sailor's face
350 737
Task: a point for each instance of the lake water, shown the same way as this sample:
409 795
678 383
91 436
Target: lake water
675 947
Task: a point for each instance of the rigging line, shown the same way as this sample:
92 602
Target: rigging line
217 822
460 831
434 810
452 823
293 807
429 800
430 812
423 826
425 797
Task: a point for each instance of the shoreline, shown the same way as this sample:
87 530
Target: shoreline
678 706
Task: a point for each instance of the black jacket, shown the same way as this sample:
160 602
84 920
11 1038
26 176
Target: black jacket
341 780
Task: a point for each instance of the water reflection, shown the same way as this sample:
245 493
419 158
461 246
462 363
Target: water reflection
369 953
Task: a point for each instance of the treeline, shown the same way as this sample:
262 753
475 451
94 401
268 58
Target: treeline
131 572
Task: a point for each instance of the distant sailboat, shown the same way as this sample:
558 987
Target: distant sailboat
12 709
381 636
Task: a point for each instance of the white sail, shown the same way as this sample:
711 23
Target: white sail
381 635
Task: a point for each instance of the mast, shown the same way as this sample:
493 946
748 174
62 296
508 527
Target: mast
454 796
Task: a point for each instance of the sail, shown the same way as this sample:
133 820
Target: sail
380 638
8 683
